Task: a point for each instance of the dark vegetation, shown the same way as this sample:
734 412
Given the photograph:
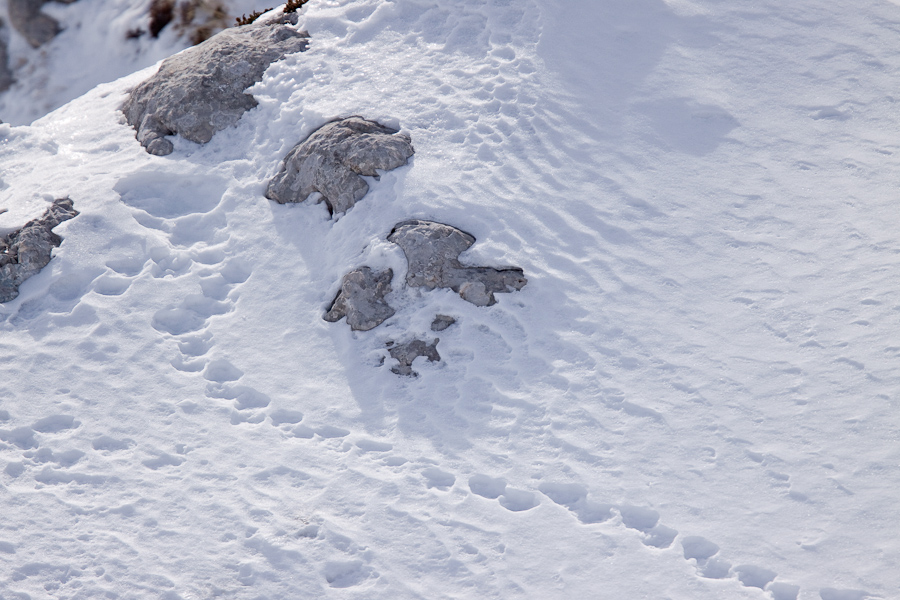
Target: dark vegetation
161 14
290 7
247 19
293 6
202 18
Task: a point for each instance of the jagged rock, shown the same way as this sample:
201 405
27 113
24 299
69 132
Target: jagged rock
361 299
410 351
331 160
442 322
432 251
6 76
26 251
35 26
200 91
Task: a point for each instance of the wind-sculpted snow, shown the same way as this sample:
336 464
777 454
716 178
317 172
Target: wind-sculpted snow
201 91
35 26
694 396
432 251
361 299
331 160
25 252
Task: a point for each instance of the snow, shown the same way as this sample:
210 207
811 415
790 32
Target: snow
693 397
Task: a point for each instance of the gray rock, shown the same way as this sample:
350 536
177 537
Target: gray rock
432 251
442 322
200 91
26 251
331 160
35 26
410 351
361 299
6 76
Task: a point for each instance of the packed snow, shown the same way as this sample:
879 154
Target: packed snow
694 396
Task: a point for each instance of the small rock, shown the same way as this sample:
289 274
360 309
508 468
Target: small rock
410 351
35 26
331 160
442 322
26 251
432 251
200 91
361 299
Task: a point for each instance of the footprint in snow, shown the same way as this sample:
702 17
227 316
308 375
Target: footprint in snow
496 489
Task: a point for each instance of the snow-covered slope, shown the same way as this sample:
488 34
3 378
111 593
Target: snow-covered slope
695 395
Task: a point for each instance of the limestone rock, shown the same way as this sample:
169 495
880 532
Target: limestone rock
442 322
200 91
361 299
35 26
408 352
26 251
331 160
432 251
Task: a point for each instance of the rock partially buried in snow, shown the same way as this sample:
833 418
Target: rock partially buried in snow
26 251
442 322
432 251
410 351
35 26
361 299
201 91
331 160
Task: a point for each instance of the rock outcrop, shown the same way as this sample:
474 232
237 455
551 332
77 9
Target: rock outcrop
200 91
410 351
26 251
432 251
361 299
331 160
35 26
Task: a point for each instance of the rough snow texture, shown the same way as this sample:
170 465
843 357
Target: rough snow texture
331 160
361 299
442 322
410 351
432 251
35 26
25 252
201 90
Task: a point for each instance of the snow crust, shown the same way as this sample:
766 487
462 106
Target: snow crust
694 397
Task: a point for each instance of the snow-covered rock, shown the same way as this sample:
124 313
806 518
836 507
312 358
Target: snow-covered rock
361 299
407 352
331 160
26 251
432 251
201 91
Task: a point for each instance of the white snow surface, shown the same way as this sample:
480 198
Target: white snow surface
694 397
